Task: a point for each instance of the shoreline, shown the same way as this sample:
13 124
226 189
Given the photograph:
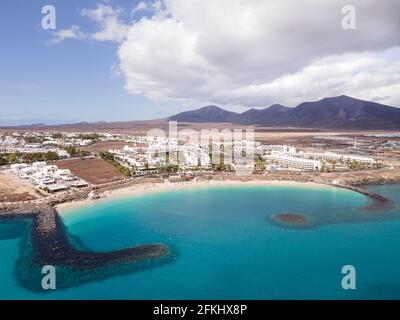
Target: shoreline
51 244
150 188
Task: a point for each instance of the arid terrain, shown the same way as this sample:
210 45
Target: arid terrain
364 177
13 189
301 137
96 171
104 146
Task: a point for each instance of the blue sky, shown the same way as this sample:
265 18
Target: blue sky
106 62
70 81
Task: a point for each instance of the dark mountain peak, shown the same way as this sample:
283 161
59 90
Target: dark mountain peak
211 108
340 112
269 116
277 106
40 124
206 114
345 103
332 100
342 96
274 107
344 112
251 111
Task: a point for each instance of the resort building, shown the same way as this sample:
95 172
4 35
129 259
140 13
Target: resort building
281 148
341 157
294 162
47 177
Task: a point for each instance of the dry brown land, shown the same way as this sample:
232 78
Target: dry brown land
141 128
364 177
13 189
301 137
96 171
104 146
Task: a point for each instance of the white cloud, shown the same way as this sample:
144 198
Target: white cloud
252 53
141 6
109 24
111 28
73 32
365 76
257 52
157 6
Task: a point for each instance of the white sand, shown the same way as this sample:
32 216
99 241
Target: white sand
146 188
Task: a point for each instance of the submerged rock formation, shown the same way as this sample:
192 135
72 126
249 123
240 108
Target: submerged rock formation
291 219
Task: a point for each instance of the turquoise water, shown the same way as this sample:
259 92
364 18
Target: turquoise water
226 247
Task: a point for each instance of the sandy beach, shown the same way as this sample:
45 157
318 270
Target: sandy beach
146 188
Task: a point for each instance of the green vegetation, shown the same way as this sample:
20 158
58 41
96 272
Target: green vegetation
329 166
11 158
324 168
33 157
333 164
3 161
73 152
221 166
109 157
259 164
171 168
33 139
90 136
57 135
355 165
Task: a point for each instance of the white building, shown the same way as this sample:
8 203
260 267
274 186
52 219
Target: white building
47 177
294 162
341 157
281 148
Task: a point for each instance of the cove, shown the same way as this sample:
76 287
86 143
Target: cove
227 246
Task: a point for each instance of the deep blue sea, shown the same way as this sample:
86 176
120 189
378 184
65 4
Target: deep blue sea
225 246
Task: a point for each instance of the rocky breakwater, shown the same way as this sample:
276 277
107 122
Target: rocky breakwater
377 201
49 244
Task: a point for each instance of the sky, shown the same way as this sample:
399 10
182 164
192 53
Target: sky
120 60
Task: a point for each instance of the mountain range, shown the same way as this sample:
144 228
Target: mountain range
342 112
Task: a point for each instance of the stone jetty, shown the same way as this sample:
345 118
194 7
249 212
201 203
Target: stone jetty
378 202
51 244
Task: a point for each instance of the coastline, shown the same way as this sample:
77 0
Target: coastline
51 244
149 188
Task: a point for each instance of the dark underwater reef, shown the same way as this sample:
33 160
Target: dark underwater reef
377 208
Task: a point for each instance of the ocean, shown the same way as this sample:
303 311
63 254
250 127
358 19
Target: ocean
225 244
